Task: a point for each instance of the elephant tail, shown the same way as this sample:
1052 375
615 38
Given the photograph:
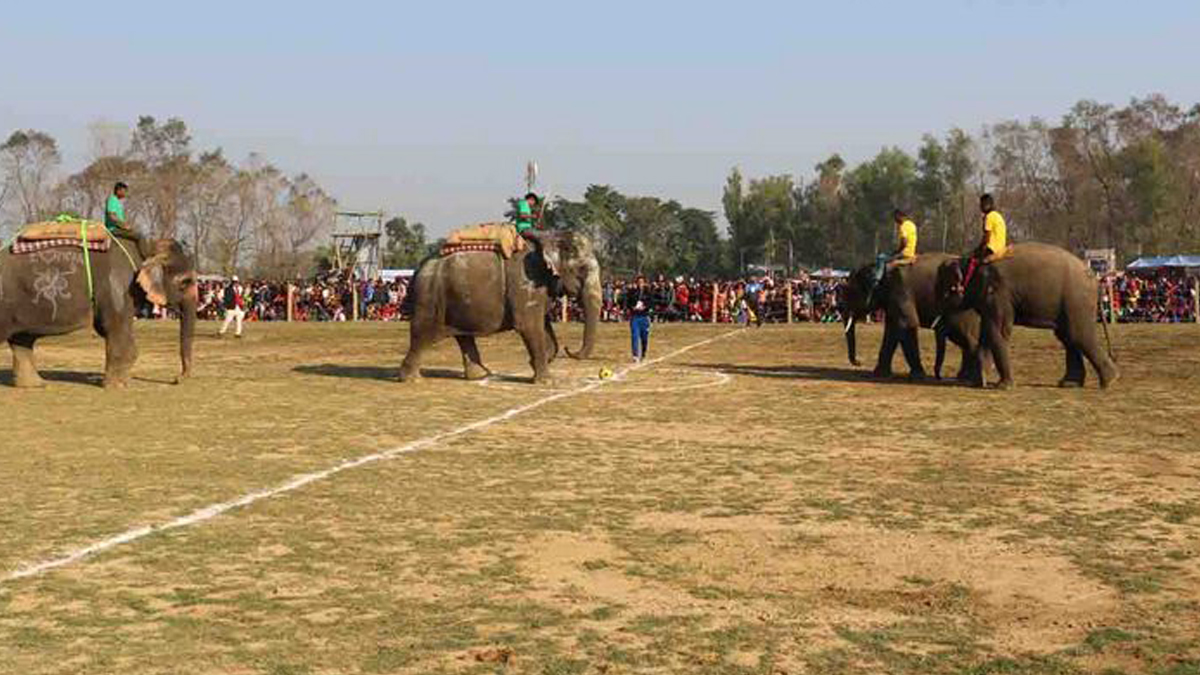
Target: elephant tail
1107 339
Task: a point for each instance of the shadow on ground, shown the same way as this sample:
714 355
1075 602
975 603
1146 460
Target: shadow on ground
823 373
70 376
388 373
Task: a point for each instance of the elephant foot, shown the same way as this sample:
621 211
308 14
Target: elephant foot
111 382
917 376
1106 382
409 376
34 381
881 373
1006 385
475 373
1070 383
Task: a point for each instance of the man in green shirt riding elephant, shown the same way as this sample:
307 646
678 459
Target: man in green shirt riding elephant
527 214
114 210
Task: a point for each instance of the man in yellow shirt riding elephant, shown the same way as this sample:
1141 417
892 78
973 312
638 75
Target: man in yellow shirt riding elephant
906 246
994 242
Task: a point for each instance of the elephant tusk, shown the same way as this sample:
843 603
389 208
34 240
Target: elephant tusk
936 321
849 325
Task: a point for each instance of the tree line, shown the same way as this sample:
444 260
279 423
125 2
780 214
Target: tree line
1126 178
247 216
1102 176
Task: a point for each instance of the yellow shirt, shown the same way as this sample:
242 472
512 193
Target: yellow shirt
997 232
908 232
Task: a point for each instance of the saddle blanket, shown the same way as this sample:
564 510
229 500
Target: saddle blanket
499 237
54 230
23 246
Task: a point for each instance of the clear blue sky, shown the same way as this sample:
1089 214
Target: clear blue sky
430 109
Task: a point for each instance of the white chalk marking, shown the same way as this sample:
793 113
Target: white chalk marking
713 379
296 482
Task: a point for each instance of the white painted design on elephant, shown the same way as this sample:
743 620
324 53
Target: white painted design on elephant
51 285
69 260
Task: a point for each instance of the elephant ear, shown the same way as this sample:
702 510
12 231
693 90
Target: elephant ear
152 279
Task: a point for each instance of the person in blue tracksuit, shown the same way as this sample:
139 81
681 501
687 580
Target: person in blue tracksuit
638 301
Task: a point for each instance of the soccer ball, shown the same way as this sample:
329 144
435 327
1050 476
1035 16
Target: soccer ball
606 373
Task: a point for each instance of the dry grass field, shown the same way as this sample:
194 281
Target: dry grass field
749 505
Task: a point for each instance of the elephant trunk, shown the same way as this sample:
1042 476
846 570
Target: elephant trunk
590 297
187 331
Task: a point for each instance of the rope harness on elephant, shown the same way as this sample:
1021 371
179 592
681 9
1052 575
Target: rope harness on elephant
87 258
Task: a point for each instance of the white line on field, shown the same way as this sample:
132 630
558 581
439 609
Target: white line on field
297 482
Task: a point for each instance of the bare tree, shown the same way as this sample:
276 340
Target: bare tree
165 151
29 159
209 204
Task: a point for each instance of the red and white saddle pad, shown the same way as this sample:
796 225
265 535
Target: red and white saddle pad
24 246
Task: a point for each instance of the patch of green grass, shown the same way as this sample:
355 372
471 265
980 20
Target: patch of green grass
1097 640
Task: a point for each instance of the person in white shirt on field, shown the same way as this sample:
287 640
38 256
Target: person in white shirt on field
235 307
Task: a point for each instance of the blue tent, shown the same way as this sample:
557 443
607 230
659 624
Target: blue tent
1165 261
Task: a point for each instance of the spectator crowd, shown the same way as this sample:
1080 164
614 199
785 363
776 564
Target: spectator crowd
330 299
1158 297
759 300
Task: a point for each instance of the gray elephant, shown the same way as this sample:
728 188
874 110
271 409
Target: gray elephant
475 293
1040 286
908 297
46 293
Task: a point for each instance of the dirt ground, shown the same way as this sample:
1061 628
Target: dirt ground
750 505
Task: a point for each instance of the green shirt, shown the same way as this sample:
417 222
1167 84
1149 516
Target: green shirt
114 214
524 216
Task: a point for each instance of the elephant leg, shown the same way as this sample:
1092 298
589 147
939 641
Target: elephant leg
120 353
25 374
419 341
887 350
997 341
939 341
912 353
1075 374
1089 346
473 367
534 337
971 368
969 358
552 340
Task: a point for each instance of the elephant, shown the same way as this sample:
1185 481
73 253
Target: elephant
1036 285
47 293
476 293
907 294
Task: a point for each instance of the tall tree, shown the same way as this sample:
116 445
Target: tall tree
960 168
406 245
29 159
932 193
165 151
